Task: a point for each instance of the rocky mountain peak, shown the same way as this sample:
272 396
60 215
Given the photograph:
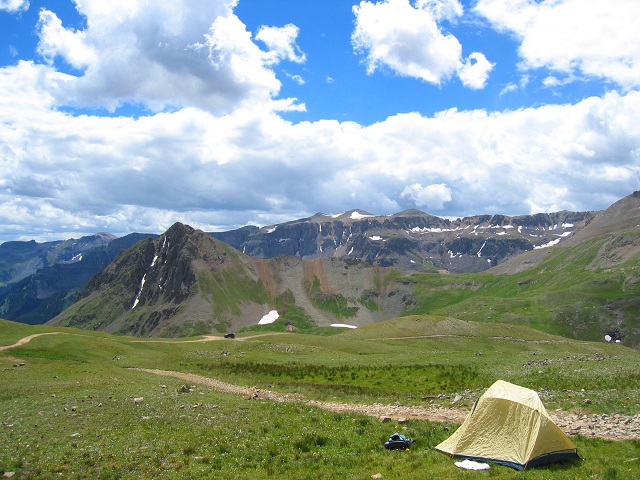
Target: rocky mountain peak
176 235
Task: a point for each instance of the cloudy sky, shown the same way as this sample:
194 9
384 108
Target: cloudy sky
130 115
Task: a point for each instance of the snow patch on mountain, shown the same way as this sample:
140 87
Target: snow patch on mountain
547 245
144 277
270 317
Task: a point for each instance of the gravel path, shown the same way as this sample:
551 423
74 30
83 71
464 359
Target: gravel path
608 427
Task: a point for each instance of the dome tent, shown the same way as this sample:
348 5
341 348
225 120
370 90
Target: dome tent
509 425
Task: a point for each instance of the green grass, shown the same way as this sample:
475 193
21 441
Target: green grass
69 411
290 315
582 292
334 303
11 332
410 358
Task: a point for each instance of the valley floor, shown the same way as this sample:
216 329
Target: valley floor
609 427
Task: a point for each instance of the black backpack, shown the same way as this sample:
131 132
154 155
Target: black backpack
398 441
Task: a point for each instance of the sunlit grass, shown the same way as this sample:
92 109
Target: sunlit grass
578 292
69 411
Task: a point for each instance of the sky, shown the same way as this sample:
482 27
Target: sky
129 115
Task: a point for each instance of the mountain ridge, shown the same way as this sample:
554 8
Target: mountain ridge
186 282
410 239
21 259
46 292
619 217
406 241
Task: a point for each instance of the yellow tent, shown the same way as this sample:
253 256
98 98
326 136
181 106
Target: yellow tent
510 426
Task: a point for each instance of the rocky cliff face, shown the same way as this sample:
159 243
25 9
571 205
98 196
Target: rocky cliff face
411 239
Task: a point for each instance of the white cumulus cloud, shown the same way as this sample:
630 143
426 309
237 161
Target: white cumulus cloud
58 41
474 72
567 37
410 41
432 197
14 6
178 53
281 43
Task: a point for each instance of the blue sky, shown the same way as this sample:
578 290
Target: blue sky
128 116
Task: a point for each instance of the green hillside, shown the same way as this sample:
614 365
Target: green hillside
586 292
68 411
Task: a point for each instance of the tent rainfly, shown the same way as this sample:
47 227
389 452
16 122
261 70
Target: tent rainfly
509 425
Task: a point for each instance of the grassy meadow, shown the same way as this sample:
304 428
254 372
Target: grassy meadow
581 292
67 405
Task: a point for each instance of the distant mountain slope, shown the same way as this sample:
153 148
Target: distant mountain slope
410 239
586 287
21 259
42 295
588 291
186 282
621 217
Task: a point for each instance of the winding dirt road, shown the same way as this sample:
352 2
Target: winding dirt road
396 412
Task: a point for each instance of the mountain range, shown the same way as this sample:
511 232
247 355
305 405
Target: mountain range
351 269
40 280
410 239
185 282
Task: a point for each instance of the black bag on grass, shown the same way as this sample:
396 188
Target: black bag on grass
398 441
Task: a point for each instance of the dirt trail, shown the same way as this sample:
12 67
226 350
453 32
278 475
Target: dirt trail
24 340
396 412
211 338
608 427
